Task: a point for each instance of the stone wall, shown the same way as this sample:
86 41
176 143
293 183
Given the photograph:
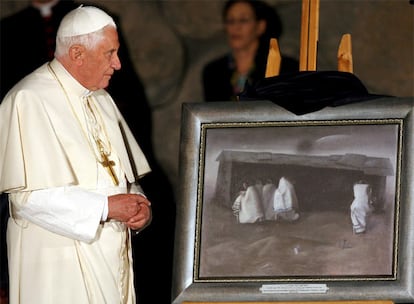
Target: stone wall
171 40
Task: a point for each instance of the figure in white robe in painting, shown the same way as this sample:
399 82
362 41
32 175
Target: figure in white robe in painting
248 206
259 188
361 206
285 202
267 199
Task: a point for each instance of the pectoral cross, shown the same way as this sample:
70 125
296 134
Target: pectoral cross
107 163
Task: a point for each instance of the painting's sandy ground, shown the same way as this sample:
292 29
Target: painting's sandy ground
319 244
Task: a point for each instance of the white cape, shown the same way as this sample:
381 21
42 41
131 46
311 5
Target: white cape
26 161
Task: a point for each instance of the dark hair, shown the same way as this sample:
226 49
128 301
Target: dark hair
262 11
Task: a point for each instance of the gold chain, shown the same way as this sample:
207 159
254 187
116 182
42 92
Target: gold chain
95 134
103 155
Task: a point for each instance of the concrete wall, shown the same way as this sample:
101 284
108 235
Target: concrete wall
171 40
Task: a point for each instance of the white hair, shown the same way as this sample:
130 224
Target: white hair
89 41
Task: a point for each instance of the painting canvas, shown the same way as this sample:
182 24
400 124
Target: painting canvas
314 238
278 206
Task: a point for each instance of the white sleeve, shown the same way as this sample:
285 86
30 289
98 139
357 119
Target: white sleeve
69 211
136 188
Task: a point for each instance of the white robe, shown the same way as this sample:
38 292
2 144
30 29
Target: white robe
268 192
285 202
58 250
360 207
248 206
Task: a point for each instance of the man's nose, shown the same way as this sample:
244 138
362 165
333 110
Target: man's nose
116 62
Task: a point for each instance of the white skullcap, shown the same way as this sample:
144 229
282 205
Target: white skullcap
84 20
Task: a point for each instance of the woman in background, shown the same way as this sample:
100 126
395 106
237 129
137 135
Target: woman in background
249 25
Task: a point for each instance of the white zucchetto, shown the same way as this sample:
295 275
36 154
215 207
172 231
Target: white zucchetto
84 20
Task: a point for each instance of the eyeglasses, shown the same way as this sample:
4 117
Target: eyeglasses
240 21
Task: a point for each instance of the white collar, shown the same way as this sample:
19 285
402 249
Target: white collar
45 8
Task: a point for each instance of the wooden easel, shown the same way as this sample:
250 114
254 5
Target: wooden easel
308 62
309 44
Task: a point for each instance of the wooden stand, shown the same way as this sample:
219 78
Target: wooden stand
309 44
309 35
345 63
308 62
273 59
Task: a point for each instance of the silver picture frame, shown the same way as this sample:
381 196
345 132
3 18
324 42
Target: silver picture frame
317 256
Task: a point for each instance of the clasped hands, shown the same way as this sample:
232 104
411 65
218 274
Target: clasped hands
134 210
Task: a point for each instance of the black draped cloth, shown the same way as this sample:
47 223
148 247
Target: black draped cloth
308 91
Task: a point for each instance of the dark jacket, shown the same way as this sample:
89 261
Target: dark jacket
217 75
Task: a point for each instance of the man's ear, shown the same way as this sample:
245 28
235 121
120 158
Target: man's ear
77 53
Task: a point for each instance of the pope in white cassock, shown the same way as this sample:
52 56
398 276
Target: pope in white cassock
70 166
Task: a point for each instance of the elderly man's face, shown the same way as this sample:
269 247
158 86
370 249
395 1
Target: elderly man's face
101 62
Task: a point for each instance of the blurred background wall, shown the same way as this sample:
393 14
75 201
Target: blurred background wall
171 40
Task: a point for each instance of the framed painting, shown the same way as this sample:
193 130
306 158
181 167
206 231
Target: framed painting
278 206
